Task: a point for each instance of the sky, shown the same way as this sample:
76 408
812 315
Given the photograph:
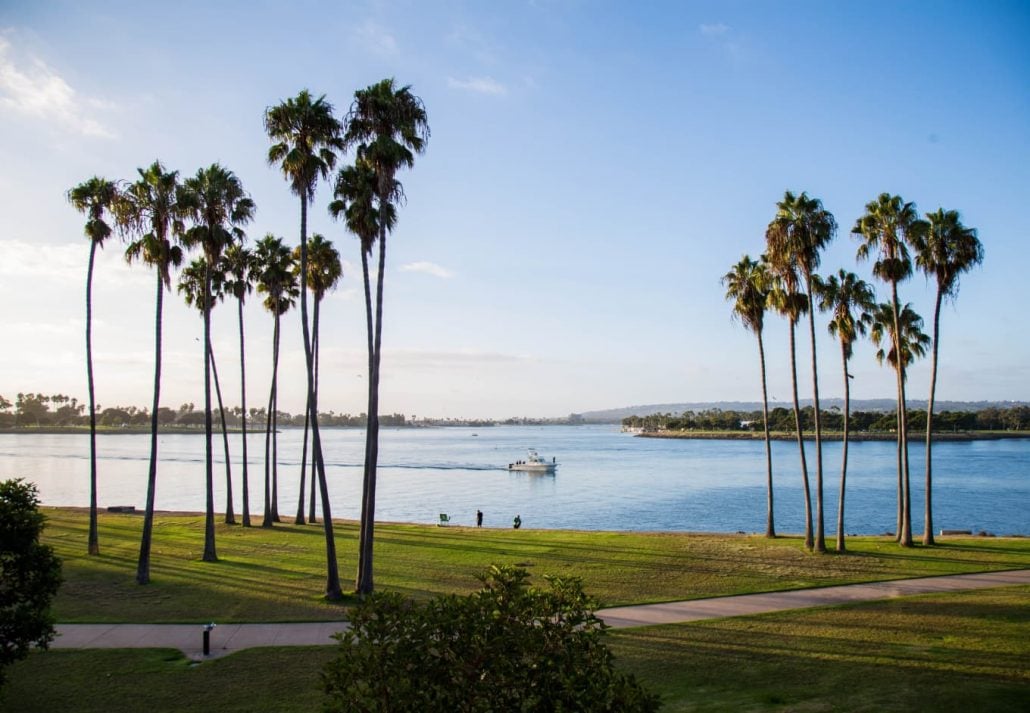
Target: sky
594 168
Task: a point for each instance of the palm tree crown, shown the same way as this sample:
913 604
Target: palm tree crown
218 206
237 271
946 249
275 276
747 286
798 232
851 300
912 343
150 209
889 226
93 198
324 267
307 138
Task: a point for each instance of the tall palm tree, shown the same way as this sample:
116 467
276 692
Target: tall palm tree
191 287
747 286
389 126
219 207
276 280
305 140
888 227
324 271
944 250
786 298
95 198
237 268
909 341
798 233
149 210
850 300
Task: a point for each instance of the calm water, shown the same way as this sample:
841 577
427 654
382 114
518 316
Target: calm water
605 480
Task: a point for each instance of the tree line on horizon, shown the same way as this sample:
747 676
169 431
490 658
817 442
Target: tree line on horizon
161 216
784 280
1016 418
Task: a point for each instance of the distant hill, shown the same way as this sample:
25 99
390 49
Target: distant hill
615 415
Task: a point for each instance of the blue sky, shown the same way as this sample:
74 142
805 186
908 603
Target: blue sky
594 168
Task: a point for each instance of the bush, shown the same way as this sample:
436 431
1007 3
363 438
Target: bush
506 647
29 574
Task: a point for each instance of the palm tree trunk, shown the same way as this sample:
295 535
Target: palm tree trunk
93 541
299 517
275 430
243 417
365 583
370 332
770 528
209 483
905 531
820 537
844 449
801 440
928 517
333 590
143 565
230 515
314 464
267 521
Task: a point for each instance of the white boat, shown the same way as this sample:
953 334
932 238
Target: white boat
534 463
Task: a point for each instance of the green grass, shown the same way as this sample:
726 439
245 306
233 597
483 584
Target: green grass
951 652
279 574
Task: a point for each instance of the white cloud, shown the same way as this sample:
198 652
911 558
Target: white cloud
480 85
66 263
36 91
376 38
428 268
714 29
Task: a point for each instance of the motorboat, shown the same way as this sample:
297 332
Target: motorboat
534 463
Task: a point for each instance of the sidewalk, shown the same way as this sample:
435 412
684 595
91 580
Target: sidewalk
229 638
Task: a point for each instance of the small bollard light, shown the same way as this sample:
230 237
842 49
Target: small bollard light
207 638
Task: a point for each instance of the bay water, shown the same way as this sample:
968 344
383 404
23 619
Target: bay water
606 479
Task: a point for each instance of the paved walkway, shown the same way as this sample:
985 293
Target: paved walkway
228 638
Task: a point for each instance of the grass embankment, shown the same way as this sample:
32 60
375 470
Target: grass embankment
832 435
279 574
953 652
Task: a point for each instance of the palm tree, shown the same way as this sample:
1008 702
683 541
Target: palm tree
911 343
306 137
800 230
150 211
191 287
850 300
747 285
324 271
94 198
944 250
388 124
238 274
888 227
275 279
219 207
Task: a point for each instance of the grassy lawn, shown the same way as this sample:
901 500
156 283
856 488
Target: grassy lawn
953 652
278 574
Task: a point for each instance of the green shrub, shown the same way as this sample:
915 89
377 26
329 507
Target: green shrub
506 647
29 574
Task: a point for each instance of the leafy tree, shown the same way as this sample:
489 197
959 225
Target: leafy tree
95 198
219 208
944 251
237 269
747 285
149 210
30 574
850 300
506 647
192 288
389 126
275 279
324 271
305 140
888 227
795 237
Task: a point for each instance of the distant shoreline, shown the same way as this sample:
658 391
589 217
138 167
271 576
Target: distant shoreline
834 436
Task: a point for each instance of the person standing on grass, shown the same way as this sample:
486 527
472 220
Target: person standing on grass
479 518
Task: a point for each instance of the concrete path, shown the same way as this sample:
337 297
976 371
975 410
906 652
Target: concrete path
229 638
